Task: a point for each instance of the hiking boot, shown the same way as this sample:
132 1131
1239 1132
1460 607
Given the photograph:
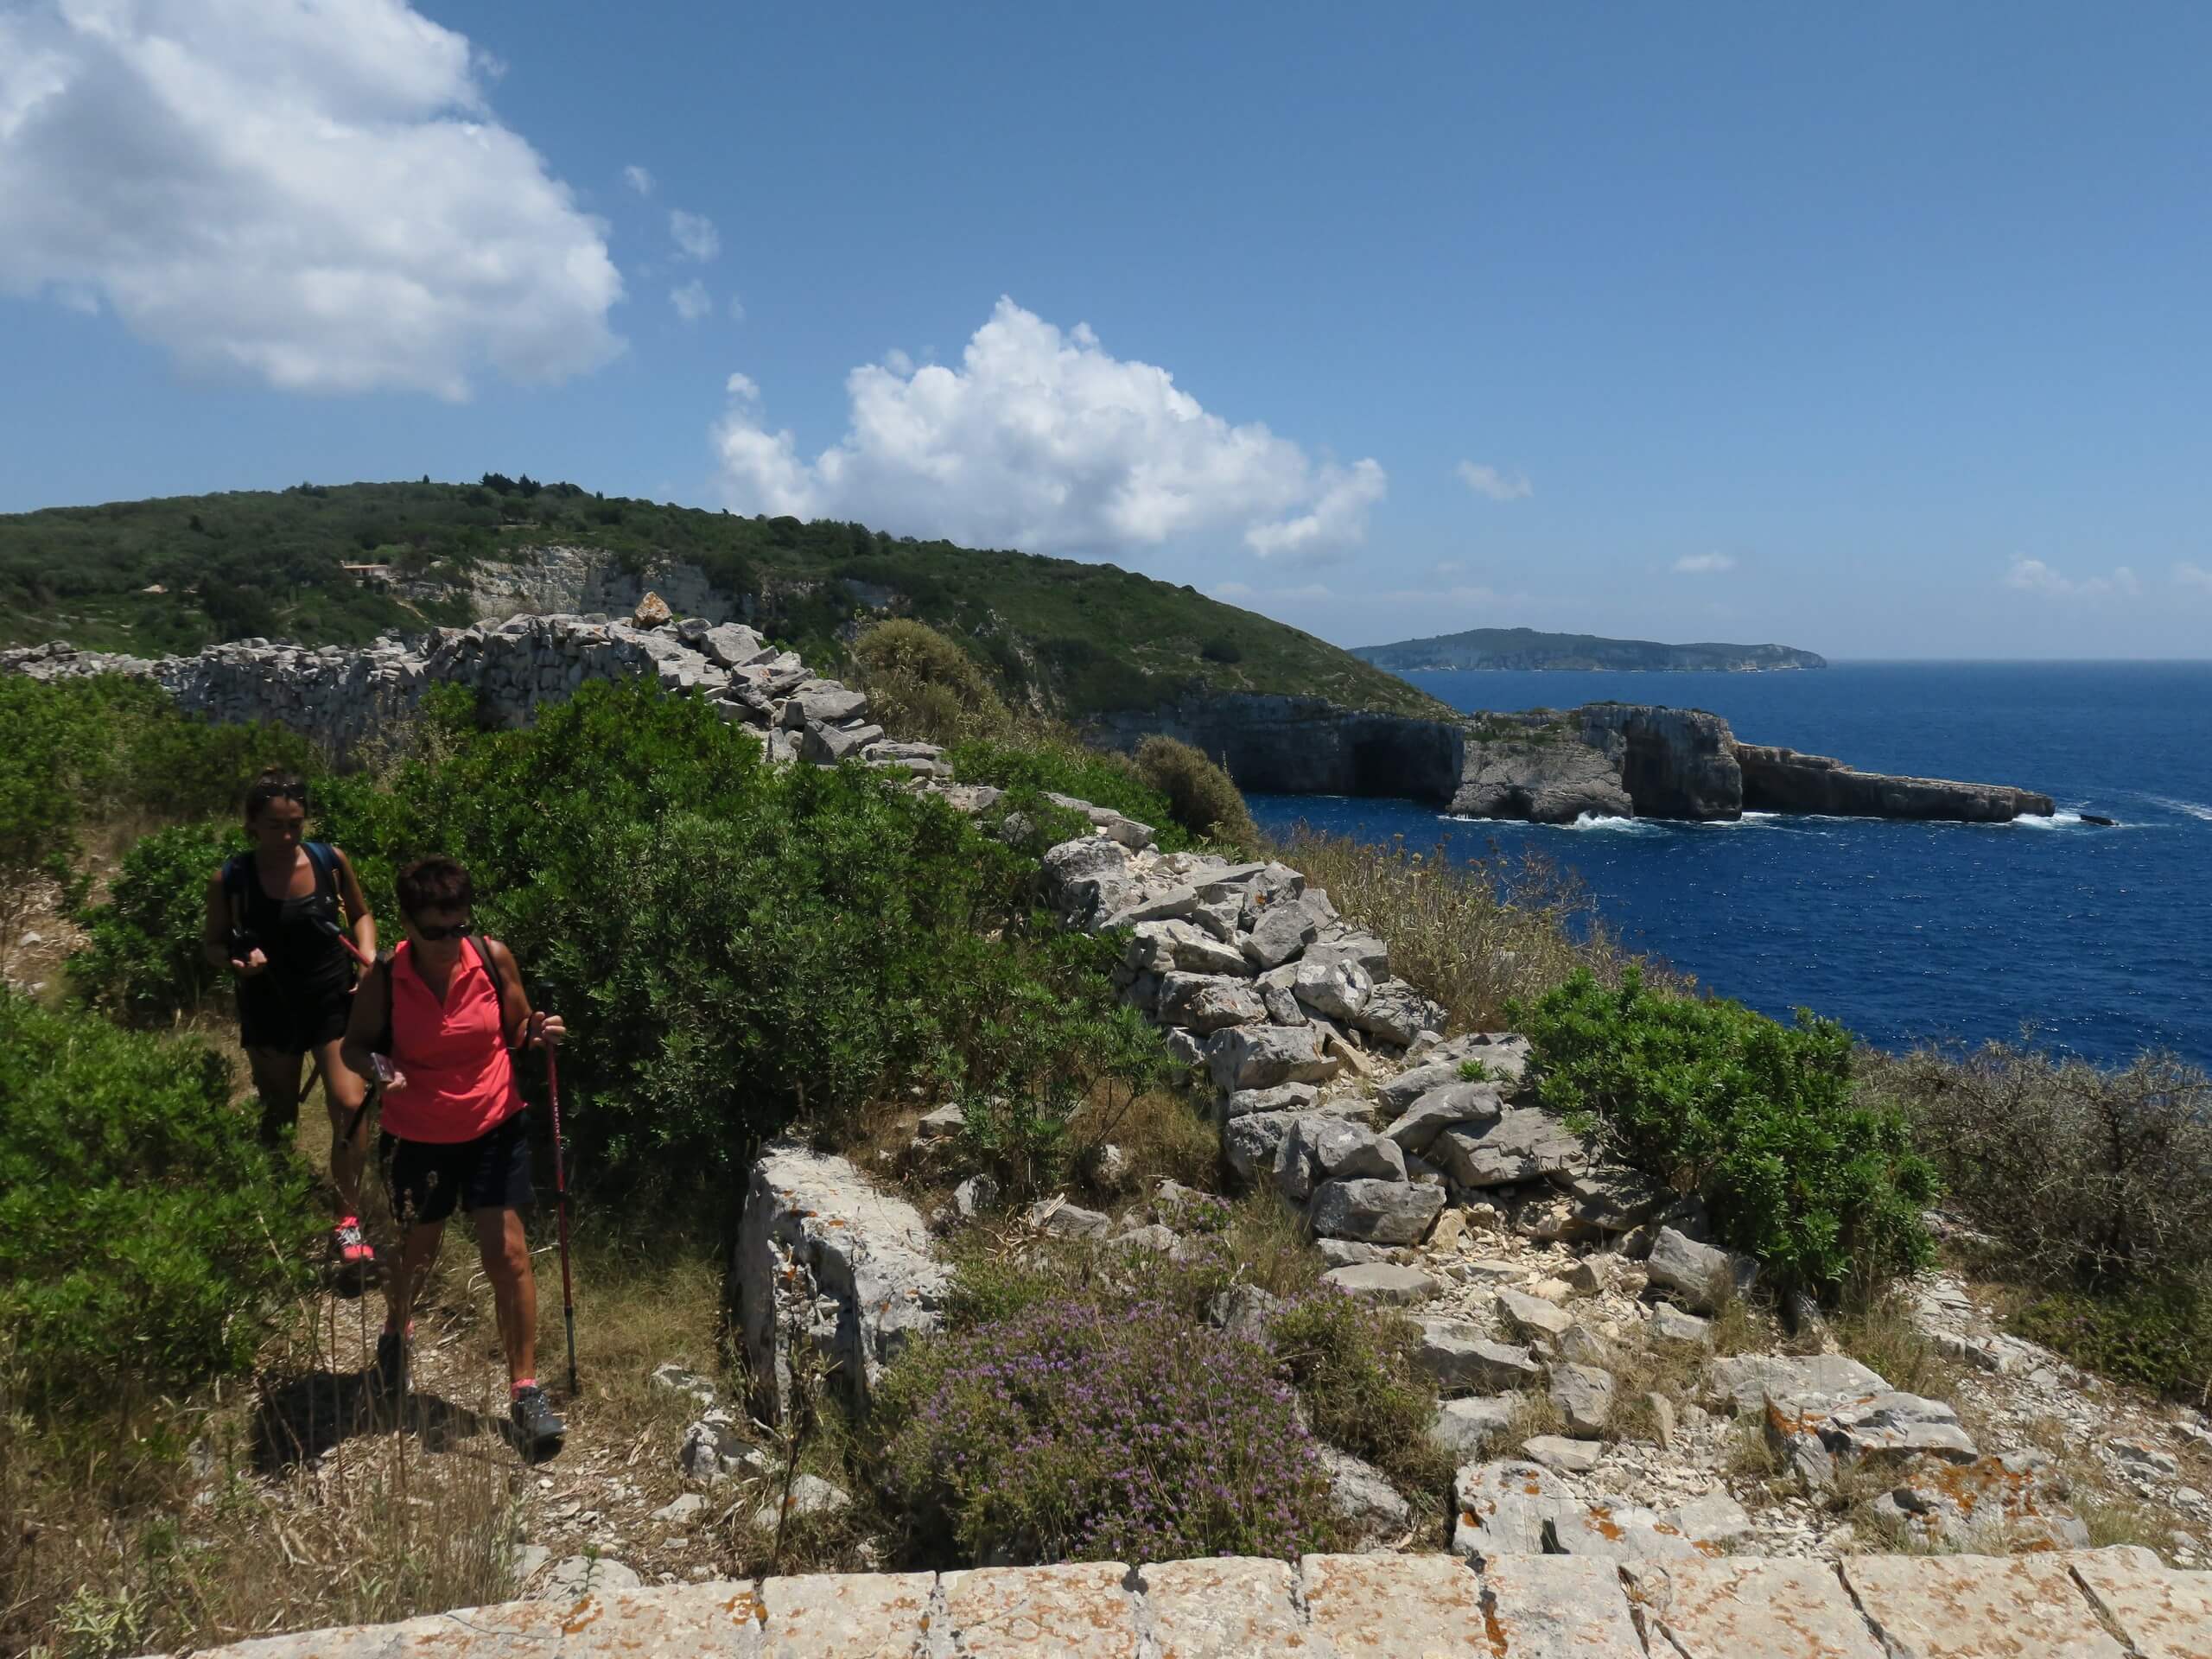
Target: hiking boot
536 1423
390 1376
351 1246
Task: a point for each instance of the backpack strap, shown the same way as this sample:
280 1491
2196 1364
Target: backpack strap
234 876
482 946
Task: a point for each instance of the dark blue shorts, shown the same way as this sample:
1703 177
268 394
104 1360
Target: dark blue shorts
428 1180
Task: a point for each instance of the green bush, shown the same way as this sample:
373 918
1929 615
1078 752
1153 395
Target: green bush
1064 766
142 960
1353 1367
737 947
1760 1120
2158 1336
2090 1178
924 688
143 1231
1203 798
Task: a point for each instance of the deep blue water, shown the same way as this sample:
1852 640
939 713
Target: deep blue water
2096 942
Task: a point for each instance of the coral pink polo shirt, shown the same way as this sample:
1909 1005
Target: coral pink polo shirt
461 1082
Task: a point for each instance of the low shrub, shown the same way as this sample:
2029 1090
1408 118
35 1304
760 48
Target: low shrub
1203 798
2158 1336
1476 935
737 947
1073 1432
1352 1367
143 1230
141 962
2088 1177
1062 765
922 687
1817 1180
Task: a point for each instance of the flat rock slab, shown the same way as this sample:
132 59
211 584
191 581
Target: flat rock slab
1382 1282
847 1616
1977 1607
2164 1613
1397 1607
1748 1381
1557 1607
1078 1610
1230 1608
1728 1609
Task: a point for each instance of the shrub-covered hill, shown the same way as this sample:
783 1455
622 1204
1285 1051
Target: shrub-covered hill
177 574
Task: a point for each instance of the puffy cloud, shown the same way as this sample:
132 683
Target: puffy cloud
637 179
1041 439
1704 565
2034 577
692 302
695 236
2193 576
1498 484
316 194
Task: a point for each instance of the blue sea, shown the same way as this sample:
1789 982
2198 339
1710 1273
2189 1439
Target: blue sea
2093 942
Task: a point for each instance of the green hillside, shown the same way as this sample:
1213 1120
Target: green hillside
177 574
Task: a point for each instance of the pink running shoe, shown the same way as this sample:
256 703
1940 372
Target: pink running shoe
352 1248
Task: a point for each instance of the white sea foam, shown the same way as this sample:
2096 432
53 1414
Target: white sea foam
2066 818
1599 821
2189 809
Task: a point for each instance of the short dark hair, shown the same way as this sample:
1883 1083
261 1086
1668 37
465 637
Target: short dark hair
275 785
436 883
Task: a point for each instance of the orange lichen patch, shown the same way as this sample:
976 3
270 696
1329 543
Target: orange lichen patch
585 1614
1602 1522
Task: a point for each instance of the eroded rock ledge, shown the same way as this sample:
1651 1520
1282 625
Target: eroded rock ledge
1543 766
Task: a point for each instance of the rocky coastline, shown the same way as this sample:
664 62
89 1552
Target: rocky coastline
1544 766
1605 760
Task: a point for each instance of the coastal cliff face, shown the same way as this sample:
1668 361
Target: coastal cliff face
1304 746
1783 780
1605 760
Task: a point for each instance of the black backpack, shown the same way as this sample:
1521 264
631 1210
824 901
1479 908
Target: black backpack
238 870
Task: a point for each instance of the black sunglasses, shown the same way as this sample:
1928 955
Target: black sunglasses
430 935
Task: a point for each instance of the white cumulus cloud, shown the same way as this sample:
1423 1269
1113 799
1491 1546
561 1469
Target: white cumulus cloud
692 302
637 179
1041 439
315 193
1704 565
2193 576
695 236
1499 484
2034 577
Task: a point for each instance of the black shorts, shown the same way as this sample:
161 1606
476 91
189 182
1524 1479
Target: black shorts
428 1178
274 1015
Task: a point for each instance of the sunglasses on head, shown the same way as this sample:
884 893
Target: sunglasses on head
431 935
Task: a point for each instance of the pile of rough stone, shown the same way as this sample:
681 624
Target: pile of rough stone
342 696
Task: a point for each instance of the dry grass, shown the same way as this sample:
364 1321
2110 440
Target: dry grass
1474 935
1534 1415
1880 1334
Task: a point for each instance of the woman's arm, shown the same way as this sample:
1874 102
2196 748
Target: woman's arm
365 1023
514 1003
357 905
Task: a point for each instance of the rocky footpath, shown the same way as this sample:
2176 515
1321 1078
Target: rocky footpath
2113 1604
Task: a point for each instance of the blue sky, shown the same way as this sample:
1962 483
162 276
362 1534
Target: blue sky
1882 331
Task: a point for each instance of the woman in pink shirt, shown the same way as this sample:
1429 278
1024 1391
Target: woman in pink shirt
438 1023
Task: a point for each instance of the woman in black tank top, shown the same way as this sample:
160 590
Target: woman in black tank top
273 918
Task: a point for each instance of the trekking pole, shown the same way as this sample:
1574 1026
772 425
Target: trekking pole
561 1202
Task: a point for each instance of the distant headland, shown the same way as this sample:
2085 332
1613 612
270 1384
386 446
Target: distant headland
1526 648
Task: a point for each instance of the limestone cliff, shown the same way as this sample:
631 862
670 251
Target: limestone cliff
1783 780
